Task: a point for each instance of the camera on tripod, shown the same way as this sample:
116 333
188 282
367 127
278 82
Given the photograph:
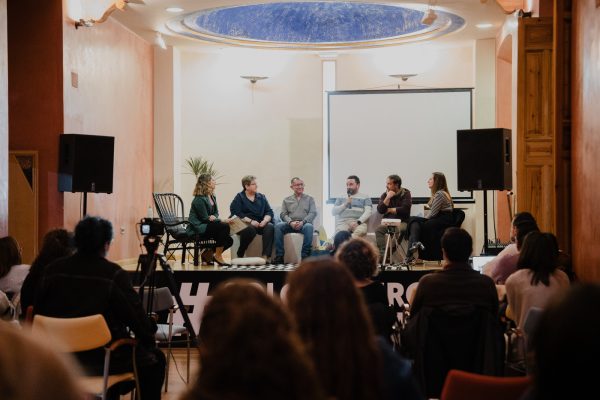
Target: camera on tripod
151 227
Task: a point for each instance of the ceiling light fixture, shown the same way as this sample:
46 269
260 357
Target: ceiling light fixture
160 41
485 25
404 77
174 9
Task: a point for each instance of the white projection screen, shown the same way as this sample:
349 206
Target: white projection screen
412 133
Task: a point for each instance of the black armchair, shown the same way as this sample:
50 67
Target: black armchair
171 212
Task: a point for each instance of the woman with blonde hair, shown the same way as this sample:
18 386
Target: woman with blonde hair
204 219
426 231
249 349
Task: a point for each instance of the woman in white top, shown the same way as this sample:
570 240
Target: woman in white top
12 272
537 279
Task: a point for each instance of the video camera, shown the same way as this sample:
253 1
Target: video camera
151 227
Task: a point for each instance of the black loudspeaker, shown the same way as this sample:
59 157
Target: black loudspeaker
86 163
484 160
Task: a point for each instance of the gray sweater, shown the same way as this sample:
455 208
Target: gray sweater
361 209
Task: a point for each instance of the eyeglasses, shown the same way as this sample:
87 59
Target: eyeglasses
298 185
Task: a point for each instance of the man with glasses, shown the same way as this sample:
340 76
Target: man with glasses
298 212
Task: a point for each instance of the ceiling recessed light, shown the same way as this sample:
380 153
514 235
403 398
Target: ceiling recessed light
174 9
485 25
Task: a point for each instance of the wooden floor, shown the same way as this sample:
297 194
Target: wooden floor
177 372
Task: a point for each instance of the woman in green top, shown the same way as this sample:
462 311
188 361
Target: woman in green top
204 218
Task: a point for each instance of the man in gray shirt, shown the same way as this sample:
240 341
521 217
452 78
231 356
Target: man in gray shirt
298 212
351 213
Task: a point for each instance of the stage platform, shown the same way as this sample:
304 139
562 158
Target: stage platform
195 284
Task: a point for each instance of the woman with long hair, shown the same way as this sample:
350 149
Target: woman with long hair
537 279
426 231
204 219
12 270
57 243
249 349
351 362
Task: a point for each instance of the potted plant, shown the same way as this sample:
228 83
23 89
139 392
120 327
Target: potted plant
198 166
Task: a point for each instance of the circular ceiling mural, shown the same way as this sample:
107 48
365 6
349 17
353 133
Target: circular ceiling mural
315 25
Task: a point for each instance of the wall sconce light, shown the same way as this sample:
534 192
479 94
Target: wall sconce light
87 13
254 79
160 41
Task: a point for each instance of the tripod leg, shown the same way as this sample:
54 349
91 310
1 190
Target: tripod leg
172 284
387 245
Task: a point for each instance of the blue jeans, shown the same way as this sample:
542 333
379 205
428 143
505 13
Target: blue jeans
282 228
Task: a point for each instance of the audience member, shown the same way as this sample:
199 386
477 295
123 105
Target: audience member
505 263
30 370
361 257
333 323
394 203
12 271
7 309
57 243
566 347
424 232
254 209
298 212
537 279
86 283
205 222
351 213
453 319
340 238
250 350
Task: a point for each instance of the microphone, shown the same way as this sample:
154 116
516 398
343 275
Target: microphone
349 191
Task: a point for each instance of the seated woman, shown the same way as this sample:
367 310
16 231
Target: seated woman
12 271
537 279
351 362
361 258
57 243
426 232
204 219
249 349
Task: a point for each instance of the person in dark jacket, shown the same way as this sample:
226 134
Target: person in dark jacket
86 283
254 209
394 203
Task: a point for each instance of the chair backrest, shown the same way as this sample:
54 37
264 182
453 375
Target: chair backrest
73 334
169 207
461 385
458 216
162 299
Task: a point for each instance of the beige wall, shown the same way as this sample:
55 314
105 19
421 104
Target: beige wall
3 122
114 97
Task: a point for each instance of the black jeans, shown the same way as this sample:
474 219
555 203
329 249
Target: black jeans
248 234
219 232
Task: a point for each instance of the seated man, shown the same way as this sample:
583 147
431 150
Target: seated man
394 203
86 283
352 213
298 212
254 209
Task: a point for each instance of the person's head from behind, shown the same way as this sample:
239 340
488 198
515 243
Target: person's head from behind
93 236
457 245
205 185
31 370
360 257
10 254
539 253
566 346
437 182
247 340
57 243
334 324
340 238
521 225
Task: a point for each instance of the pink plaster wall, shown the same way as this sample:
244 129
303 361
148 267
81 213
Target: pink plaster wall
114 97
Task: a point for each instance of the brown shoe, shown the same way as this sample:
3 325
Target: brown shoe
207 257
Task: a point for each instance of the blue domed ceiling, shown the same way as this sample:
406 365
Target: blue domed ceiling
314 25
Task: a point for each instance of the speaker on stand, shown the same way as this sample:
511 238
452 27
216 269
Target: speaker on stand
86 164
484 162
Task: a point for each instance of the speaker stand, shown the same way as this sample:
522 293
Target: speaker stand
85 204
485 225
